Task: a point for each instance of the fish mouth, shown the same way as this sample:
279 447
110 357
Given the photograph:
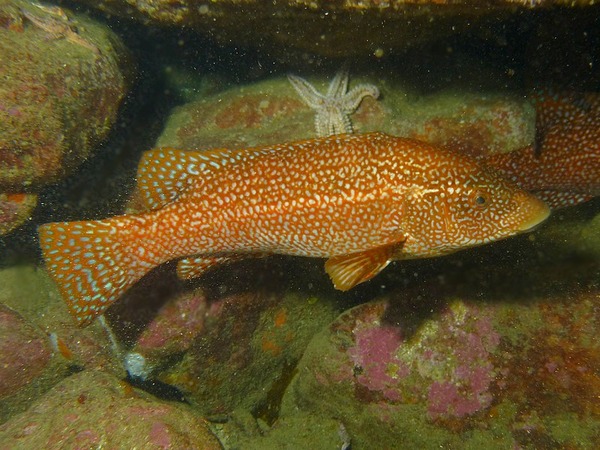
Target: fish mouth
535 212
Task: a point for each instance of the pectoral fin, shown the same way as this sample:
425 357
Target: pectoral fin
346 271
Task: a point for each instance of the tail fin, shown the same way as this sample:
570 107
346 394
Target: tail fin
93 262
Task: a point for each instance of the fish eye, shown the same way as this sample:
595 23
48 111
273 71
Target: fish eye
480 199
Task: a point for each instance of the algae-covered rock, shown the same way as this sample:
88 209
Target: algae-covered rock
63 82
246 351
93 409
328 28
15 209
64 78
298 432
464 375
30 291
590 237
43 343
24 352
271 111
175 327
575 234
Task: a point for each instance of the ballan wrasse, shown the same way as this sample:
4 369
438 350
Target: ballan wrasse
358 200
563 167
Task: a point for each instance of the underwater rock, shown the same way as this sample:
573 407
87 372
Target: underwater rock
589 241
576 234
24 352
271 112
518 374
245 352
15 209
92 409
31 293
315 433
175 326
54 338
333 29
64 78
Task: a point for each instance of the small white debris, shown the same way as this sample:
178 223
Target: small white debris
136 366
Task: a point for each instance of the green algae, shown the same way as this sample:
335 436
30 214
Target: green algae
569 430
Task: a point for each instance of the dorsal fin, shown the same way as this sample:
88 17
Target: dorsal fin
163 173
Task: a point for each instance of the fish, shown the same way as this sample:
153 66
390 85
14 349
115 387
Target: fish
559 177
562 167
360 201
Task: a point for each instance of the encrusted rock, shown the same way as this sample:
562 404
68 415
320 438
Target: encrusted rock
15 209
24 352
457 372
93 409
271 112
246 351
43 343
64 79
324 27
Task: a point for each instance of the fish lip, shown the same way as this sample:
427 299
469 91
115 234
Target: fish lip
537 213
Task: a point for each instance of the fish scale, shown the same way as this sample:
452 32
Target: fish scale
358 200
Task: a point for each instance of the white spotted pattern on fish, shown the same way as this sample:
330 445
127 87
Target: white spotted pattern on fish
358 200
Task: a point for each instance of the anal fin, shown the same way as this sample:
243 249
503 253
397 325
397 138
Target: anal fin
346 271
189 268
195 266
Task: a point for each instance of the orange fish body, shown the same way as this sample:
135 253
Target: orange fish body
561 177
563 167
358 200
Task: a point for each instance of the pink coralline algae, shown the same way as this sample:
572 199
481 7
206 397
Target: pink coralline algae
465 390
446 365
448 399
468 373
374 354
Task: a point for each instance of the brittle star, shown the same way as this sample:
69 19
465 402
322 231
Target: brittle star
333 109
